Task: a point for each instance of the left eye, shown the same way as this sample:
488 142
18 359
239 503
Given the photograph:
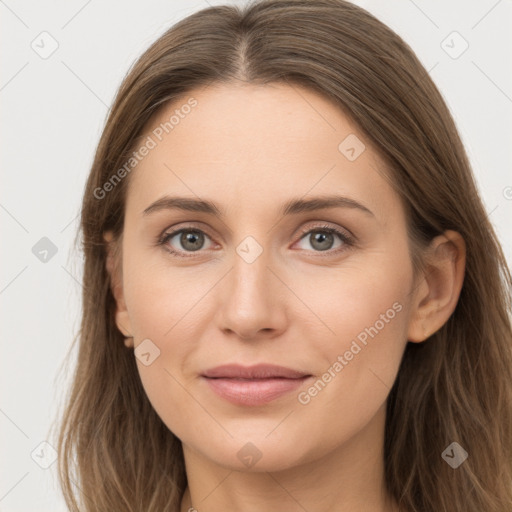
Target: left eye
322 239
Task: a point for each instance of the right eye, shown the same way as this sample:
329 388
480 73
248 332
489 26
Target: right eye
190 239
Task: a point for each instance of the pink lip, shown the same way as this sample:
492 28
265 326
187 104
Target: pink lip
253 385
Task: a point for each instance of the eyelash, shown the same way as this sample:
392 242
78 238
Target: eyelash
348 241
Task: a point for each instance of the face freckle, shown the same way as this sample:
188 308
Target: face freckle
320 289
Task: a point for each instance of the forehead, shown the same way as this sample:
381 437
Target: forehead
245 114
254 144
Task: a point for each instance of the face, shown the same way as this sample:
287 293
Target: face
271 274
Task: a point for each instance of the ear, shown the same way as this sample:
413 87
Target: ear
437 293
113 266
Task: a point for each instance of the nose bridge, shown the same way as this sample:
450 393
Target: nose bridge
250 275
250 301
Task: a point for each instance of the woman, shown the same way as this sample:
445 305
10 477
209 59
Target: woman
293 297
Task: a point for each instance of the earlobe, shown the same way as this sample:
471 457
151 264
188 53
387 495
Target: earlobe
122 318
123 324
437 295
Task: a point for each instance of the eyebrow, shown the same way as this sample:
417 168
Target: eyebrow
292 207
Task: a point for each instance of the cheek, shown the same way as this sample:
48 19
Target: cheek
364 301
368 312
174 401
164 307
160 298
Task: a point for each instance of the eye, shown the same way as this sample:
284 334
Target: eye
323 239
190 240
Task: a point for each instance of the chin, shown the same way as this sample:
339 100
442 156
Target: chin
257 452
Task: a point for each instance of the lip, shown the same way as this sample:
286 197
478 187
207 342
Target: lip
253 385
258 371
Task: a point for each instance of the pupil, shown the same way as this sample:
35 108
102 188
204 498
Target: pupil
191 238
320 238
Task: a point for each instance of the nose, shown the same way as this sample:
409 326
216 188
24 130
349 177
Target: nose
253 300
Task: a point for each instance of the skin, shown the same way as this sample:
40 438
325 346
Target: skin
250 149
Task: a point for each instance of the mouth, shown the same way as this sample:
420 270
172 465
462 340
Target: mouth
253 385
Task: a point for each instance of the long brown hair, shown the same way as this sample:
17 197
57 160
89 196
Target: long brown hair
114 451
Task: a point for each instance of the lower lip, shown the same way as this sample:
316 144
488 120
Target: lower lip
255 391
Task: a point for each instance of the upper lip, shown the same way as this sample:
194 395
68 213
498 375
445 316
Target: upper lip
259 371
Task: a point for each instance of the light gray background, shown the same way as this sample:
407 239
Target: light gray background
53 111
